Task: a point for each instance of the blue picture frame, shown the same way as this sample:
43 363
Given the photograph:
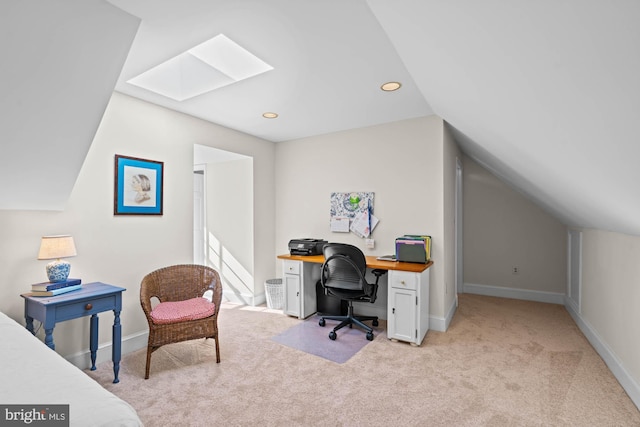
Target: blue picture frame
138 186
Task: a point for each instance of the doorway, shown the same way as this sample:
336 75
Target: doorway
223 219
199 215
458 230
574 282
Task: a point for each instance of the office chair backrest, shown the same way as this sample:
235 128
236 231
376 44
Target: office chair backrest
344 268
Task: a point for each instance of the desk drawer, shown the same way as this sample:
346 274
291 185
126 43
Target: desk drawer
292 267
85 307
403 280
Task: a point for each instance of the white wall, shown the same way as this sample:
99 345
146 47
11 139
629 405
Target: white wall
609 314
65 59
502 230
120 250
401 162
230 213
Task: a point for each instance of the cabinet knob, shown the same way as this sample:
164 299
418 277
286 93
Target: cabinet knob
402 282
88 306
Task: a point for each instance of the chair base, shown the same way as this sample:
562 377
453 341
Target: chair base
349 320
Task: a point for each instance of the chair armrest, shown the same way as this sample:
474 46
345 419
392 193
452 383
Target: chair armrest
378 272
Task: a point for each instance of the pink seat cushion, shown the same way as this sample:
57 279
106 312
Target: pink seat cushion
180 311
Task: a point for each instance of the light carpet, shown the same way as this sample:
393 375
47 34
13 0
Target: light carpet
502 362
310 337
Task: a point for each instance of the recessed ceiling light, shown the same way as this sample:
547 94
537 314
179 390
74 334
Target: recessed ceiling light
211 65
390 86
270 115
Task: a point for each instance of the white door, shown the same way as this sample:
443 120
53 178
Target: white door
402 314
292 295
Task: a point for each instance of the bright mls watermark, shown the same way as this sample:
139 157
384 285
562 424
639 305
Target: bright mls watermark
34 415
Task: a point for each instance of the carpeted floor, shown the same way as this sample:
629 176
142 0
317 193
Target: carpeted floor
501 363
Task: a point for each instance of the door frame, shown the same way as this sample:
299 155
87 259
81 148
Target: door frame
459 273
200 258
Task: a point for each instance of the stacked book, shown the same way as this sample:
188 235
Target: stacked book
49 289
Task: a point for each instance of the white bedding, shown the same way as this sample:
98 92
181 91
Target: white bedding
32 373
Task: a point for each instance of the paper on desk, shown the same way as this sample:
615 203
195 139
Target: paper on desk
363 224
340 224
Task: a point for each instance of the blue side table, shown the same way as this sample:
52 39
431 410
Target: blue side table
91 299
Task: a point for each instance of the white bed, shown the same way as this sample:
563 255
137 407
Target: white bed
33 374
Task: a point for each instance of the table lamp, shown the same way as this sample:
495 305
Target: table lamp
56 247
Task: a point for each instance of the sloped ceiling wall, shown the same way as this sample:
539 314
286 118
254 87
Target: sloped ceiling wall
545 94
60 62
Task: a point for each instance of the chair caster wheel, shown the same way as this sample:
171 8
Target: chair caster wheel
333 335
370 336
322 322
375 322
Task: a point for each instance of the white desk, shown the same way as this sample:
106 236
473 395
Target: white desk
407 293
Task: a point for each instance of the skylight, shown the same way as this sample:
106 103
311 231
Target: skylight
210 65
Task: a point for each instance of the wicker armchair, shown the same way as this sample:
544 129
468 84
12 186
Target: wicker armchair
177 284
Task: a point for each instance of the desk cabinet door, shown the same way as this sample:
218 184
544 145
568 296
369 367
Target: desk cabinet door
401 322
292 294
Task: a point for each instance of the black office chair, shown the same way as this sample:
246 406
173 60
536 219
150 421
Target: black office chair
343 276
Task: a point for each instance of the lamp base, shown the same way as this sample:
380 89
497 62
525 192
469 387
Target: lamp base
58 271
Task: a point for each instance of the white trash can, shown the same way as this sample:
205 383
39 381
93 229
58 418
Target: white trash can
274 290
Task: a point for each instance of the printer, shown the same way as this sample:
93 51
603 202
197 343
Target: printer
306 246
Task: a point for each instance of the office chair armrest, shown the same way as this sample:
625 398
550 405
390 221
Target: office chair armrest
324 290
378 272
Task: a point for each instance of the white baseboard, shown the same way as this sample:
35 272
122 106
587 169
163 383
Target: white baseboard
441 324
130 344
523 294
615 366
437 324
245 299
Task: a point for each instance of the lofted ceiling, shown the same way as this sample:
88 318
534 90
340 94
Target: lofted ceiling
545 94
329 60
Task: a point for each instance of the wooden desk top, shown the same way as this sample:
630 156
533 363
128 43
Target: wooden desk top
372 262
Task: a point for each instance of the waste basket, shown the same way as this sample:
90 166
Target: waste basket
274 291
